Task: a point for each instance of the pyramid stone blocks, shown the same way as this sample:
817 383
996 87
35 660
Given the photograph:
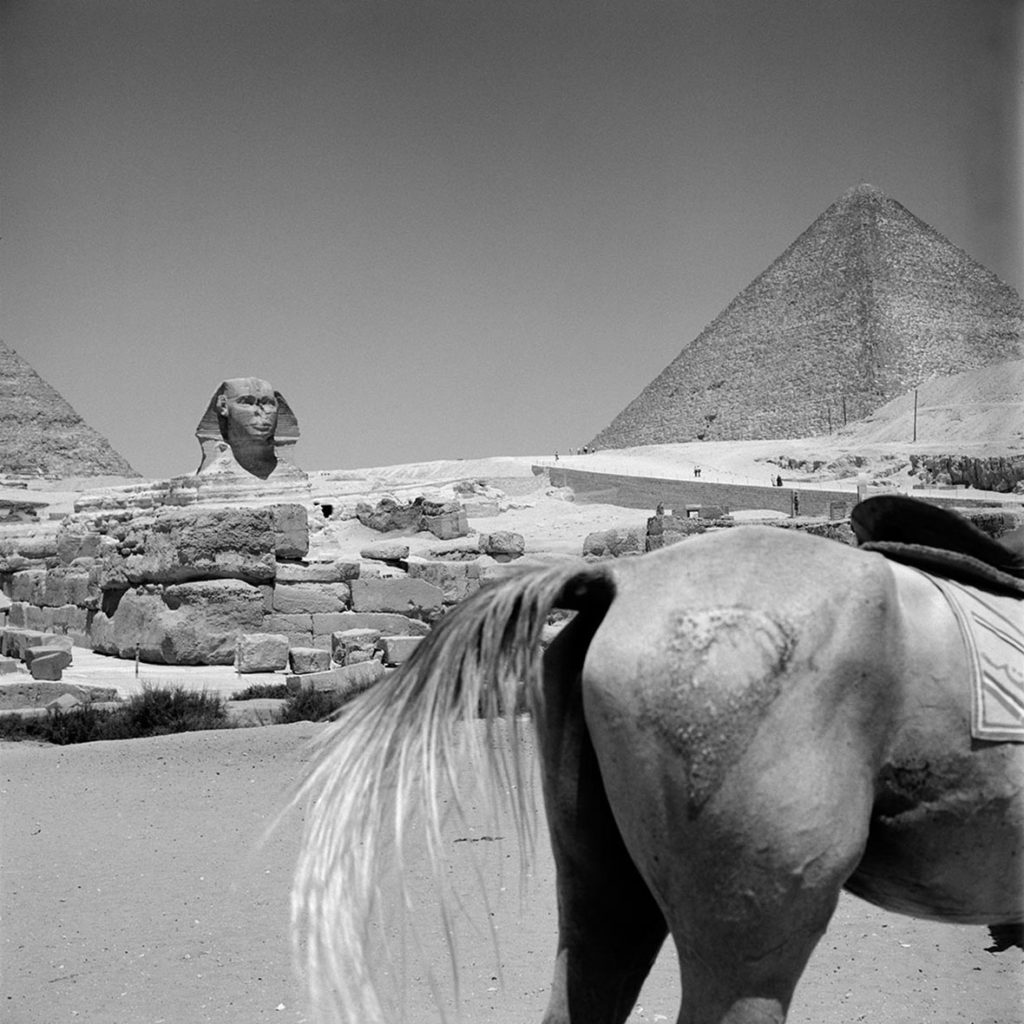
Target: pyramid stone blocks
866 304
40 433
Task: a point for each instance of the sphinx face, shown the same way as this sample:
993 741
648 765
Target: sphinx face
249 406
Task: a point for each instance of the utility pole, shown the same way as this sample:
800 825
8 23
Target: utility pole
915 415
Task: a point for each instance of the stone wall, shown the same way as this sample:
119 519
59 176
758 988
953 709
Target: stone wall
649 492
182 586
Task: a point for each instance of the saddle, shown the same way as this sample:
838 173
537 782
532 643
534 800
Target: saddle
939 541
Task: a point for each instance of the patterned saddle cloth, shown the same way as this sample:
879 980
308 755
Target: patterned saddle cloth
982 580
992 627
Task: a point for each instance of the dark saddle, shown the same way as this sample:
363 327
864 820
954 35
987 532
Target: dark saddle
939 541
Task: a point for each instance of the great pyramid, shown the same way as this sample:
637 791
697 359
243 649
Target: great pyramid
867 303
40 434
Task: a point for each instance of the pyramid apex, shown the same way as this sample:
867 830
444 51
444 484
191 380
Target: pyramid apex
863 191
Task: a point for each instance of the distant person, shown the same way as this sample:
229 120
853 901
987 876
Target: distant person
778 480
796 504
696 471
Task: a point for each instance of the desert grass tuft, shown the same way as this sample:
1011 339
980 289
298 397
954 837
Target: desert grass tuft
310 706
258 691
157 711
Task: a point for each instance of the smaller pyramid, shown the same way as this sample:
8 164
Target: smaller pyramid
41 434
867 303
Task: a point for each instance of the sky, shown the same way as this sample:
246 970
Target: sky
456 228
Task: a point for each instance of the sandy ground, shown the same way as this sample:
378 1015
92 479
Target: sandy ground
136 890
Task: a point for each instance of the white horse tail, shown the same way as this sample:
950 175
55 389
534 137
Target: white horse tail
390 751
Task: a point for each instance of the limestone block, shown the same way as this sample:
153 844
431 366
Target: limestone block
614 543
181 545
38 546
481 508
386 551
70 619
491 572
185 624
503 545
389 623
299 623
112 574
447 525
297 637
398 649
261 652
305 660
77 540
27 586
351 646
390 514
17 614
8 666
347 680
65 702
39 618
47 662
14 642
416 598
291 531
293 598
63 586
317 572
457 580
665 530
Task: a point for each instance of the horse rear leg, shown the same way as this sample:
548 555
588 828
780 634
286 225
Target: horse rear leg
749 878
609 927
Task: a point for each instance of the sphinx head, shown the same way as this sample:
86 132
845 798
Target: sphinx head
246 425
247 411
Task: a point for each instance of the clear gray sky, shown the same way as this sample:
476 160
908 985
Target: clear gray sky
460 228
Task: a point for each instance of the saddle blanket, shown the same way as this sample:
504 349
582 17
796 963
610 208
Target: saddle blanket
992 626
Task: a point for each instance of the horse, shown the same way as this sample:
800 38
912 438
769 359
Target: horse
731 730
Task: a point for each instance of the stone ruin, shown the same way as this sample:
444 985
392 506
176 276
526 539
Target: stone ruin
217 569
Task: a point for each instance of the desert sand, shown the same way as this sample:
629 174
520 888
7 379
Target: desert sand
139 888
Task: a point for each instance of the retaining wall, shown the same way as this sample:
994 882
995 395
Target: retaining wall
648 491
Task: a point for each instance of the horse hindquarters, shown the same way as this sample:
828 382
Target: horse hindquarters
738 760
610 928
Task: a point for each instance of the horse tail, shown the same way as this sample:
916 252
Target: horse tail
390 751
